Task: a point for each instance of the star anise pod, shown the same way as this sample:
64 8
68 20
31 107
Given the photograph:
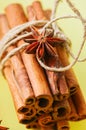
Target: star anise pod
42 44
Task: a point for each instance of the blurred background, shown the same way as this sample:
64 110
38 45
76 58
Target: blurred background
74 30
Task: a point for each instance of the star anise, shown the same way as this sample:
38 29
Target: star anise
42 44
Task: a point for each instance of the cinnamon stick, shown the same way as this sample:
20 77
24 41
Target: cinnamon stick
19 105
33 125
57 81
46 120
41 103
61 110
69 74
41 112
39 82
80 104
63 88
48 128
11 15
73 116
24 119
0 35
63 125
31 112
38 10
52 78
47 13
24 88
31 13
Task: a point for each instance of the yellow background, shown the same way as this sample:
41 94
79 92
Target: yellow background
74 30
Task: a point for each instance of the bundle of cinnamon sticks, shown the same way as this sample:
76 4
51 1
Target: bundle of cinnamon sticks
42 98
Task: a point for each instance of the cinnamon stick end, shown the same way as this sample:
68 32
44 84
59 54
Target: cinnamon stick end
44 102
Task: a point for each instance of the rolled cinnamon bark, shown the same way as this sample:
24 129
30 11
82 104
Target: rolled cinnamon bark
4 26
52 78
56 80
41 112
22 78
47 13
80 104
31 112
38 81
18 102
0 35
31 13
46 120
58 85
73 116
61 110
33 125
38 10
69 74
43 101
63 125
11 12
63 88
35 72
49 128
24 119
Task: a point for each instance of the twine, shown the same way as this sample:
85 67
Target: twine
17 33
